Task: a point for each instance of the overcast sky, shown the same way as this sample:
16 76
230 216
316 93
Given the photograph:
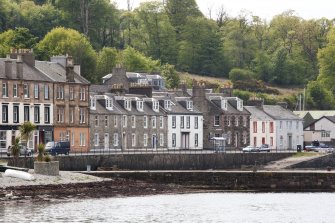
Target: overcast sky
265 9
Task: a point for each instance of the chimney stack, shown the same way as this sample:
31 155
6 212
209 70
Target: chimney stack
27 56
69 69
258 102
8 67
19 67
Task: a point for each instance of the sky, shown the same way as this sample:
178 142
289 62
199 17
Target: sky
265 9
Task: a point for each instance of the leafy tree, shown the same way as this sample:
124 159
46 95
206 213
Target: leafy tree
238 74
26 131
321 97
61 41
17 38
107 60
170 75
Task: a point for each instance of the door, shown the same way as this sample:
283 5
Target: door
106 140
263 140
289 141
185 140
154 141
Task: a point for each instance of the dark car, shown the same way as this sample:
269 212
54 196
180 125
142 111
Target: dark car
24 151
56 148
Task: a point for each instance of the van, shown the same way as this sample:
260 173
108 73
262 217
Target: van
55 148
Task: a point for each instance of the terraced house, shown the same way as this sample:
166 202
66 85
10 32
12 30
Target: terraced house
49 94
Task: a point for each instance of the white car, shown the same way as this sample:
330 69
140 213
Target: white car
249 149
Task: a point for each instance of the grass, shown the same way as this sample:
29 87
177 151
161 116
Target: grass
305 154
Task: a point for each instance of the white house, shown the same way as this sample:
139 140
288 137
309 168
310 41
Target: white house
322 130
276 126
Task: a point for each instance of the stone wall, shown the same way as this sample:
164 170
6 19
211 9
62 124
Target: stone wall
317 163
161 161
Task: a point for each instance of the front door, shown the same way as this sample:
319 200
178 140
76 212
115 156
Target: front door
185 140
289 141
154 142
106 141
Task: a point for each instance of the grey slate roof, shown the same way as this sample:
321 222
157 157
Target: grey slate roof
257 113
57 72
29 72
100 88
279 113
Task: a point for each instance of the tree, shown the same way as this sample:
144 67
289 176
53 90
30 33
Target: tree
61 41
19 38
321 97
107 60
170 75
238 74
26 131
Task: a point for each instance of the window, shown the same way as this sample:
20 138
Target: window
4 90
196 120
109 103
82 94
46 91
245 135
46 114
325 134
196 140
161 122
60 115
139 105
145 140
71 92
245 119
3 140
93 102
173 139
188 122
224 104
116 139
173 121
280 125
189 105
155 106
236 121
82 137
161 139
72 138
263 127
115 121
15 90
82 114
133 140
133 121
145 122
106 121
216 120
181 121
71 114
229 138
16 114
36 91
60 92
96 139
26 113
167 104
228 121
96 120
124 121
271 141
127 104
26 90
153 121
36 113
271 127
5 113
255 126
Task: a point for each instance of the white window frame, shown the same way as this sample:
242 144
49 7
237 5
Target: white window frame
133 140
196 122
161 122
139 105
46 91
174 140
196 140
36 91
145 121
124 121
71 93
174 121
188 122
161 139
82 115
145 140
133 121
153 122
115 139
15 90
189 105
96 139
216 120
155 106
82 94
82 139
5 90
26 90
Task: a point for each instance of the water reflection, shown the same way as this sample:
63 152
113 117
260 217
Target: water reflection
215 207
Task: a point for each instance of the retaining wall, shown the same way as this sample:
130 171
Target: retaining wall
161 161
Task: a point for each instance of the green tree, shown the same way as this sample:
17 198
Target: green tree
17 38
321 97
170 75
238 74
107 60
61 41
26 131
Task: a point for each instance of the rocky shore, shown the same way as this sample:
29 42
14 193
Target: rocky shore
76 185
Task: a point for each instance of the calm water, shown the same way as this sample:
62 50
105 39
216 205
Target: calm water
214 207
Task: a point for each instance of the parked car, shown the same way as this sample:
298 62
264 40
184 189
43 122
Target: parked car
24 151
56 148
250 149
264 148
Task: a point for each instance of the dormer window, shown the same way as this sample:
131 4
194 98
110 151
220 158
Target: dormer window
127 104
224 104
109 103
93 101
139 105
155 106
189 105
239 105
167 104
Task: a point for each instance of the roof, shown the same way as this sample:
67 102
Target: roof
317 114
29 72
279 113
257 113
57 72
330 118
100 88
